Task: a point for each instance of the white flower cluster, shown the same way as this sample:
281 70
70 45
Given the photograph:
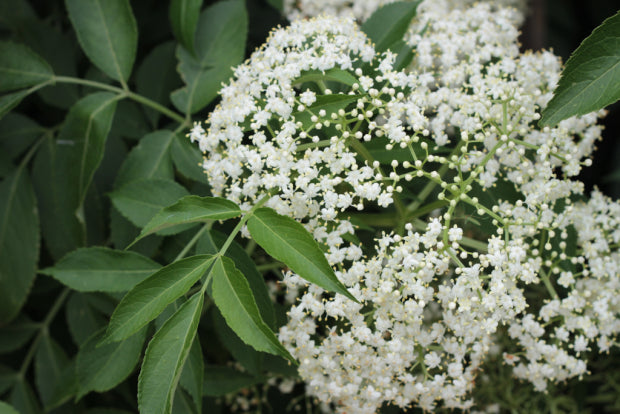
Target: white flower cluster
362 9
324 126
412 340
576 259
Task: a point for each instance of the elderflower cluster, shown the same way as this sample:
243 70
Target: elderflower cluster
484 240
361 10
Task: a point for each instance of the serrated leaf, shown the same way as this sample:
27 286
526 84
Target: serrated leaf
101 368
193 372
99 269
19 242
233 297
212 242
247 356
191 209
183 403
219 44
335 74
277 4
64 170
7 409
50 361
123 232
11 100
8 378
16 334
150 297
20 67
165 356
108 34
82 319
149 159
61 51
140 200
129 121
64 388
157 84
591 79
389 24
187 158
17 133
6 165
184 19
13 14
23 398
221 380
288 241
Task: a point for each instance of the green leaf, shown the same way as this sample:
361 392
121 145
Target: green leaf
140 200
388 25
187 158
107 411
212 242
19 242
191 209
193 372
64 387
183 403
130 121
591 79
149 159
277 4
23 398
64 170
107 32
247 356
11 100
16 334
20 67
288 241
49 363
8 378
148 298
13 14
83 319
6 165
335 74
165 356
220 380
219 45
184 19
101 269
85 130
329 103
17 133
233 297
157 84
7 409
123 232
101 368
61 51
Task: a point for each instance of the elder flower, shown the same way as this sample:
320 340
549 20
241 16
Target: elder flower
442 206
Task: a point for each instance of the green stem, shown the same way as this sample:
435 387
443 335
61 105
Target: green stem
193 241
242 222
364 153
125 93
430 186
43 330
